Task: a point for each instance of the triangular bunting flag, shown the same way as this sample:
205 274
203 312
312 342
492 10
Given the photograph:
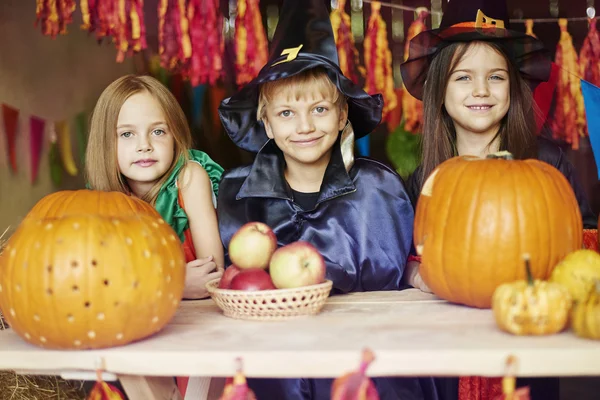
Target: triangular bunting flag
591 100
36 140
11 119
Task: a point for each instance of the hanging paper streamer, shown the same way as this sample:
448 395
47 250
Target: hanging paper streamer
509 391
11 120
543 96
54 16
36 139
412 108
198 95
569 116
529 28
378 59
344 41
64 140
174 46
476 387
544 91
103 390
81 134
251 47
54 158
591 97
589 56
206 35
123 20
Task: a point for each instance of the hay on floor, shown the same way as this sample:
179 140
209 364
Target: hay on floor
23 387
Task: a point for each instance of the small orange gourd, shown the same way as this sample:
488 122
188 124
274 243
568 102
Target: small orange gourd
89 281
531 307
586 314
577 272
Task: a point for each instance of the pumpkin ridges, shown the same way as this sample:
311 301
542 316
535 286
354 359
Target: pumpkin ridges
544 256
436 233
454 208
469 237
93 229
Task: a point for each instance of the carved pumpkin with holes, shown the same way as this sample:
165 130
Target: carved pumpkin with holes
77 202
475 218
89 281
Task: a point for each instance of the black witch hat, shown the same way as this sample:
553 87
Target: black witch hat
303 40
475 20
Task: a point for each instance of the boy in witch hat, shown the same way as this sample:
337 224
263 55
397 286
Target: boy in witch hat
300 116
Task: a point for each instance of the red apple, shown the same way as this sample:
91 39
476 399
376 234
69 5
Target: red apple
228 275
251 280
297 264
252 246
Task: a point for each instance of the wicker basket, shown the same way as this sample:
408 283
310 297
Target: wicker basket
269 305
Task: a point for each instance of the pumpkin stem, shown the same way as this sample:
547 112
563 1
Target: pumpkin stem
528 270
505 155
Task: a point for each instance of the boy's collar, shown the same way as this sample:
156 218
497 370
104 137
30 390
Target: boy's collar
266 177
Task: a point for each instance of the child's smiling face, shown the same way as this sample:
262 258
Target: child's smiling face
306 126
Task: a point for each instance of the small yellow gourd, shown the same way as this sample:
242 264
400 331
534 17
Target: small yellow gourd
531 307
586 314
577 272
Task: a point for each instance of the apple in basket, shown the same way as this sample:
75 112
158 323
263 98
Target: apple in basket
297 264
228 275
252 279
252 246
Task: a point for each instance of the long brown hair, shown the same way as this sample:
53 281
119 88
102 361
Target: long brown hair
101 166
517 131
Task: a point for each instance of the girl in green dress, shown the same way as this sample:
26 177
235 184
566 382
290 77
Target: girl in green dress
139 144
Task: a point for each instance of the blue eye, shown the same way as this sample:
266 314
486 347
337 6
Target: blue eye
320 109
285 113
462 78
126 134
158 132
497 77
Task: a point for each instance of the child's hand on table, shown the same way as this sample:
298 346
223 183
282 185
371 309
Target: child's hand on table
198 273
414 277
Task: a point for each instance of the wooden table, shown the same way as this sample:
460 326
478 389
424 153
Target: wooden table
411 333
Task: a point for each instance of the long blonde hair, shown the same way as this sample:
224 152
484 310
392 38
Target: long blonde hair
101 166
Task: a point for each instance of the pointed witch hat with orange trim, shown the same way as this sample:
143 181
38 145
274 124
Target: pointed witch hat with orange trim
475 20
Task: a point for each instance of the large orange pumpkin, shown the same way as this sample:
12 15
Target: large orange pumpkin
88 281
476 218
76 202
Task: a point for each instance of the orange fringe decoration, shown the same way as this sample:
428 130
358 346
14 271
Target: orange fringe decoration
378 57
589 56
236 388
251 48
569 117
529 28
478 388
103 390
121 19
174 46
206 27
344 41
412 108
590 239
54 16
